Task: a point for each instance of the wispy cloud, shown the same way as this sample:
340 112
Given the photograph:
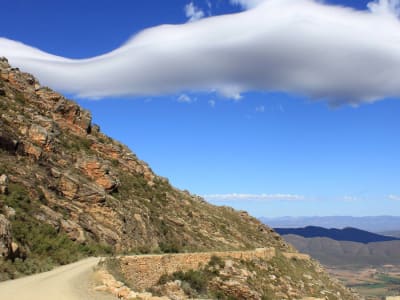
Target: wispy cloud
260 109
184 98
212 103
209 7
259 197
297 46
192 12
394 197
246 4
385 7
350 198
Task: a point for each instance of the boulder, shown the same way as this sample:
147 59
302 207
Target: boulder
9 212
4 184
38 134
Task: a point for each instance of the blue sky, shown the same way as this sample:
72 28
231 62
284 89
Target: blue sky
271 153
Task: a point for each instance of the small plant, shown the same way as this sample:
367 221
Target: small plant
20 98
216 261
171 246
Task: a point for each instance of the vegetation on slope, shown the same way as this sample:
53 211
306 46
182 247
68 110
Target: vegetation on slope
40 245
279 278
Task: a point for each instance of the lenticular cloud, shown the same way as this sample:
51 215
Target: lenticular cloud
305 47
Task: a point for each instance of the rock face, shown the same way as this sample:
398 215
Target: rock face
65 184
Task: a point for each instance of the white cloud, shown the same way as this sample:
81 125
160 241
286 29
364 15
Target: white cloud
385 7
193 13
246 4
212 103
296 46
260 109
235 197
183 98
394 197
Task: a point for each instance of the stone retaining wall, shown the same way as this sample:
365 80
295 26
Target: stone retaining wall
144 271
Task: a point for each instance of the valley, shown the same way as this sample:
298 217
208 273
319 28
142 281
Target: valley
373 283
366 262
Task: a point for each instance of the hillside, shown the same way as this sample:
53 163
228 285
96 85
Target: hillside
346 234
344 253
68 191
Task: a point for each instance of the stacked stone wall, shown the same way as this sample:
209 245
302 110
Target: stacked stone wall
144 271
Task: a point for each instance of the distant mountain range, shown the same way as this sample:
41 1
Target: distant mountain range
347 254
346 234
373 224
344 247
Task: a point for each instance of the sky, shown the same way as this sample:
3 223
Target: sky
277 107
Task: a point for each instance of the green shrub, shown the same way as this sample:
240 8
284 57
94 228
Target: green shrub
216 261
170 247
195 282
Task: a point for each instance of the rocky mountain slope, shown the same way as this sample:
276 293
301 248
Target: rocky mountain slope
68 191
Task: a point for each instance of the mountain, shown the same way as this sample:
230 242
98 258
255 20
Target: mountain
375 224
347 254
68 191
58 169
346 234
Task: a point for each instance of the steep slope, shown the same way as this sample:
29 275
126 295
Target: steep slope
60 170
345 234
68 191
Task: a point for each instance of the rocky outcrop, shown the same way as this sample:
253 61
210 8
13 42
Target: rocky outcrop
235 289
99 172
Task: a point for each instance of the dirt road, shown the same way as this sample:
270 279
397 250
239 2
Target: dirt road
70 282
